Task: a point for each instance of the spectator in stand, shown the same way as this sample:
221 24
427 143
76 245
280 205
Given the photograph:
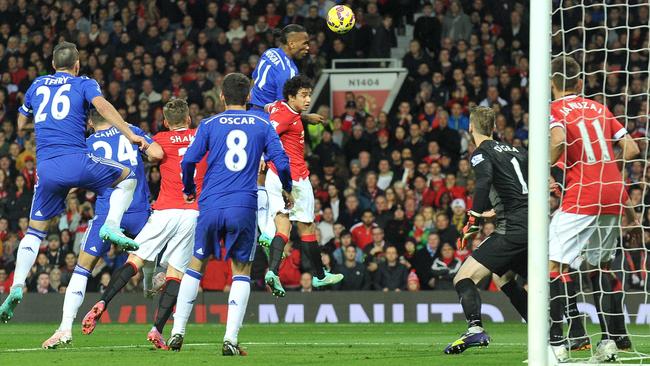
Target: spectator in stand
363 232
305 282
424 259
351 214
392 275
43 284
326 226
428 29
346 240
55 254
446 233
419 233
459 214
445 267
356 276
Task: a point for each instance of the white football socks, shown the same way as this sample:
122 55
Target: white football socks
240 290
263 210
147 275
74 297
26 256
120 201
185 301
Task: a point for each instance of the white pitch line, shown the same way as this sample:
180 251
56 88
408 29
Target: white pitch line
326 344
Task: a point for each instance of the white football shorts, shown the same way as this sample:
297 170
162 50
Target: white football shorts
173 228
303 194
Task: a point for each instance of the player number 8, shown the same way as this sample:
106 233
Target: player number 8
236 156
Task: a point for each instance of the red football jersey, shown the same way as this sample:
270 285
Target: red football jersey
593 182
288 125
174 144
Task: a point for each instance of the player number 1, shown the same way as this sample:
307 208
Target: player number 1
522 181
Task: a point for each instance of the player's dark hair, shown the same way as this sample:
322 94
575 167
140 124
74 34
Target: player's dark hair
482 119
565 73
95 117
235 88
65 55
283 34
293 85
176 111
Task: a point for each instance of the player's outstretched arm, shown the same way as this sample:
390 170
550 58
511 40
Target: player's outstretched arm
155 152
106 109
273 149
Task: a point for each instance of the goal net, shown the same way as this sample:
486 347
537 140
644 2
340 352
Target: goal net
609 40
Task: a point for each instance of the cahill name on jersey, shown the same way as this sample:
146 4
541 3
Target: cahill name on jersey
174 144
111 144
593 183
288 125
59 104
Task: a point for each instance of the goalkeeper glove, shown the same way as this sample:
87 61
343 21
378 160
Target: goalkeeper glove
470 229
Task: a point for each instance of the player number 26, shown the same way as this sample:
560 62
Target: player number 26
60 106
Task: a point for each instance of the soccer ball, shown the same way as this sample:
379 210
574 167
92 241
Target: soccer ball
340 19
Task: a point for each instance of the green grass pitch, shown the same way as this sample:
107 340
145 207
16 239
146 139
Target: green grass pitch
304 344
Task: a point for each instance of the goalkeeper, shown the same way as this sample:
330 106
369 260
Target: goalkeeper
501 189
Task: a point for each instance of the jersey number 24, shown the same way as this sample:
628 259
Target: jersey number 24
125 151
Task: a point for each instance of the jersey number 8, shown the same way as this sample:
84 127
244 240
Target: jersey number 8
60 103
236 156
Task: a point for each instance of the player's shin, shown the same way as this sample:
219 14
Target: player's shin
187 292
470 301
312 249
167 302
609 305
617 320
120 278
275 252
26 255
74 296
518 297
558 304
120 200
237 303
571 313
262 211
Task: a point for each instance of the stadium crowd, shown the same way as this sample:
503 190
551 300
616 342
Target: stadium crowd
391 189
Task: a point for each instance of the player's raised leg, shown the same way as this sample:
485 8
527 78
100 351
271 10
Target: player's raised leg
470 273
120 200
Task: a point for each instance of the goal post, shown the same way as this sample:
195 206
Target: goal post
538 174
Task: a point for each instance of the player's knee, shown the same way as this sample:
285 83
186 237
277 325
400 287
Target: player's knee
196 264
135 260
282 223
306 228
87 261
241 268
173 272
40 225
126 181
553 266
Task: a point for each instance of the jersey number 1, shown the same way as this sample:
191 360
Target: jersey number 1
520 176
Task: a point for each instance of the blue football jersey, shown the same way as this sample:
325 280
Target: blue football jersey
273 69
59 104
111 144
235 141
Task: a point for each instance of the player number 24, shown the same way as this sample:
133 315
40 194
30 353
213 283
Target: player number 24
60 103
125 150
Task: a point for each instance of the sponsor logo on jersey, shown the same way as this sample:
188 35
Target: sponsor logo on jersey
477 159
273 57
